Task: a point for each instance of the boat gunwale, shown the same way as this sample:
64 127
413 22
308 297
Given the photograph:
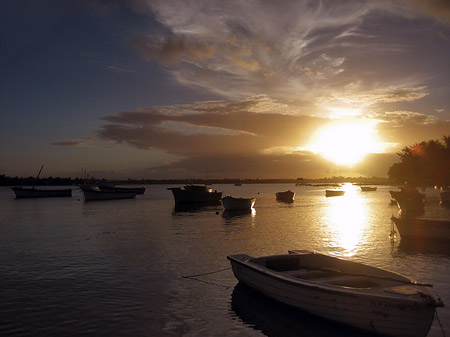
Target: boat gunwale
335 289
422 221
238 198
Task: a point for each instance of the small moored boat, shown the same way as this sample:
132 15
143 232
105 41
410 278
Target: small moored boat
93 193
195 194
408 195
352 293
409 200
32 192
368 188
137 190
423 228
235 204
444 196
286 196
334 193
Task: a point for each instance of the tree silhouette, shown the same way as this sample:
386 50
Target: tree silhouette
425 163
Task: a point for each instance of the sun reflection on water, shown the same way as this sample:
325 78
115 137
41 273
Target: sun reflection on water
346 220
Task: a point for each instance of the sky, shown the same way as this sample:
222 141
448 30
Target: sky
176 89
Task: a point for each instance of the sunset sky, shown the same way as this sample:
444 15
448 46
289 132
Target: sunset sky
220 89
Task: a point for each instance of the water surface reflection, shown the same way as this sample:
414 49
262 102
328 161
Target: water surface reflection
239 213
346 223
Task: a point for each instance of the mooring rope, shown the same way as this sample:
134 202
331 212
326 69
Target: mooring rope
211 272
194 277
439 321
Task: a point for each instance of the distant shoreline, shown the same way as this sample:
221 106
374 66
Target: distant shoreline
16 181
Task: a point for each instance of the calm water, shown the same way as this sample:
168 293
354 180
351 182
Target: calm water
116 268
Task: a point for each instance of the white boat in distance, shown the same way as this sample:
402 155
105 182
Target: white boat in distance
286 196
352 293
334 193
93 193
368 188
237 204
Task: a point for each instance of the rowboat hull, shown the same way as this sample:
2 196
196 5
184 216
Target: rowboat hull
99 195
444 196
368 189
286 196
378 311
137 190
423 229
237 204
334 193
41 193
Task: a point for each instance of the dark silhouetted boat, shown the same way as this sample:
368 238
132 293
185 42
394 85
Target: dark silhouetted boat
137 190
409 194
409 200
444 196
286 196
348 292
195 194
93 193
32 192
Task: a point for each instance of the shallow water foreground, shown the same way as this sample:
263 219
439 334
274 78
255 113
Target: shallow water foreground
118 268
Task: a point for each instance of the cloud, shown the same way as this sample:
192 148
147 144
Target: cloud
256 137
404 128
314 53
72 142
172 49
241 127
244 136
437 9
240 42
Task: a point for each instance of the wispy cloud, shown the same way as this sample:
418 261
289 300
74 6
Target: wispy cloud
437 9
308 52
72 142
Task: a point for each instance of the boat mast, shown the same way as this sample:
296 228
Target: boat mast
39 174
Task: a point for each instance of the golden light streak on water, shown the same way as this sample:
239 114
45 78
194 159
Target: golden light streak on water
346 217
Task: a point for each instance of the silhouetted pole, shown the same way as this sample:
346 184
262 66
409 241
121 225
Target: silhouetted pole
39 174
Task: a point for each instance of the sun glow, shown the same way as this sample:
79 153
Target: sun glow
346 143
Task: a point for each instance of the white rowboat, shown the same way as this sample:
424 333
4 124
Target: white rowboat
334 193
423 229
237 204
352 293
368 189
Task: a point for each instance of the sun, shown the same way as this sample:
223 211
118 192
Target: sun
346 143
